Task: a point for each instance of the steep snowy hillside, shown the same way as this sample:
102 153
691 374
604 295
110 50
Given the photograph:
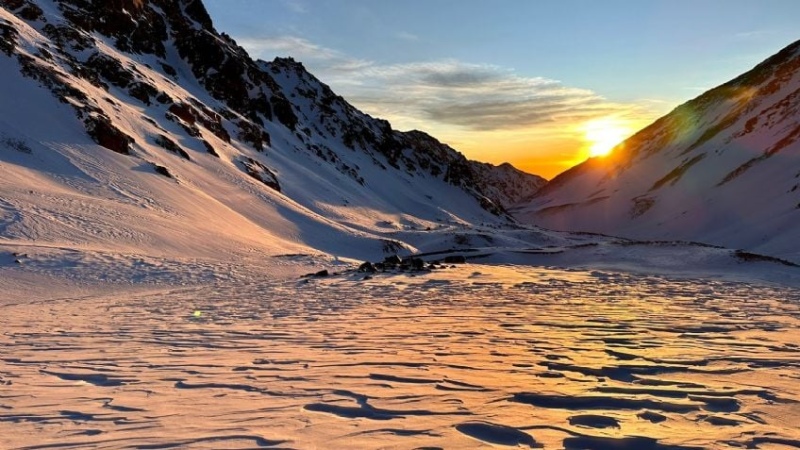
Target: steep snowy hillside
135 126
723 168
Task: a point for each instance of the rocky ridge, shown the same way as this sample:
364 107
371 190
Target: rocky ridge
129 49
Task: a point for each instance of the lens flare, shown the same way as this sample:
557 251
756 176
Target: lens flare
604 134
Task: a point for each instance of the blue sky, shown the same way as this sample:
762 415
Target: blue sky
515 80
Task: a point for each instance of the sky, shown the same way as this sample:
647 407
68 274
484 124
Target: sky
542 84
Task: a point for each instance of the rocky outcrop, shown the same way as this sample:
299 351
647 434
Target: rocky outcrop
242 100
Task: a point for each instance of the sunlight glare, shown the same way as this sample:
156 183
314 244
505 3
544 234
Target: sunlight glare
604 134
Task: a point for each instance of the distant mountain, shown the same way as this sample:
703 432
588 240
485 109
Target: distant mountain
723 168
134 124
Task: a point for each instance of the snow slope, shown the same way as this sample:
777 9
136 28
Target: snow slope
723 168
135 127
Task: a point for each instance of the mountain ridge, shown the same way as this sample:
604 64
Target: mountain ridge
263 144
700 161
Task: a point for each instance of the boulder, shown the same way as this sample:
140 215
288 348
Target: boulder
455 259
393 260
414 263
367 267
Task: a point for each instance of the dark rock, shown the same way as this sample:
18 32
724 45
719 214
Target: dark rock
65 36
102 131
209 148
185 111
17 144
31 12
13 5
322 273
367 267
8 38
393 260
161 170
142 92
170 145
110 69
163 98
254 135
261 173
455 259
414 263
283 111
169 70
196 11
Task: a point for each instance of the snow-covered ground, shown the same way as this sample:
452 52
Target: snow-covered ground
467 356
143 311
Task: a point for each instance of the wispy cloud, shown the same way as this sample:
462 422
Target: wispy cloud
406 36
297 6
299 48
754 34
474 97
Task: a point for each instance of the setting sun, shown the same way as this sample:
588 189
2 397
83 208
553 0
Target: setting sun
604 134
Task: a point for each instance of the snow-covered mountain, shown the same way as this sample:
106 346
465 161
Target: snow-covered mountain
723 168
134 126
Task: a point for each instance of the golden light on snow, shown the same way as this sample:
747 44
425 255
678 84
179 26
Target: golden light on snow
604 134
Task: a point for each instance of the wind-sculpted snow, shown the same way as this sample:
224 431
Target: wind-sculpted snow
466 357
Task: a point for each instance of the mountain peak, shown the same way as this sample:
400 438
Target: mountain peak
212 139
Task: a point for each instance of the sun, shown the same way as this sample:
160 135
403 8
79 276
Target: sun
604 134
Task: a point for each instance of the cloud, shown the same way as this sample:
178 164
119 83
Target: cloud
472 96
296 6
476 97
406 36
754 34
299 48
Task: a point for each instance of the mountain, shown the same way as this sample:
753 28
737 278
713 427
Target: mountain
723 169
135 126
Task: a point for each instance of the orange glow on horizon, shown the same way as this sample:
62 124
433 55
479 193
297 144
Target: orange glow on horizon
604 134
546 149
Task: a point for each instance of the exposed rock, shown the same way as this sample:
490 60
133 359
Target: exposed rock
393 260
161 170
142 92
367 267
261 173
8 38
102 131
170 145
209 148
414 263
110 69
455 259
184 111
31 12
254 135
